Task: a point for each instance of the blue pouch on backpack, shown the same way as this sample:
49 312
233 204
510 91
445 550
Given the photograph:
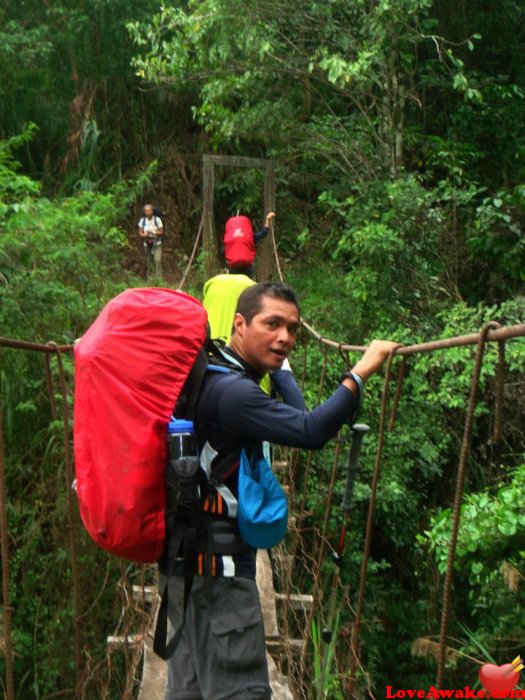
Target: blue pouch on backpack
263 507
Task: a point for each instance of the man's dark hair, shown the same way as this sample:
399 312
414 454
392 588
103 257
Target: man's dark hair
250 301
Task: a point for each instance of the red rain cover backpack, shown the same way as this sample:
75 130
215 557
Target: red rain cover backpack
130 368
239 244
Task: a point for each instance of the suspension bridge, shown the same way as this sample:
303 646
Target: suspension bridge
290 614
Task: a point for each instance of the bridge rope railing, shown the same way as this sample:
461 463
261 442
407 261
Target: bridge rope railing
193 254
491 332
86 668
6 592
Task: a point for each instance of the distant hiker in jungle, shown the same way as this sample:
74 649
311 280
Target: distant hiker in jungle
239 243
151 230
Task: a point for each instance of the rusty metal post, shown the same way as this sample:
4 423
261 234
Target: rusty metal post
265 257
458 496
69 475
356 628
210 240
8 610
209 244
500 381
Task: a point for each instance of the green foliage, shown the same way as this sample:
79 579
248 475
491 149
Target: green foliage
325 682
269 74
49 261
343 94
496 239
417 477
501 108
397 132
60 260
490 560
386 236
13 186
489 523
66 67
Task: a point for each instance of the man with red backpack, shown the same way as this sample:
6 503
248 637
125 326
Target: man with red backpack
239 243
221 653
145 358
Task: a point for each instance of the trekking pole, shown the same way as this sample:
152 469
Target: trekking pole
357 434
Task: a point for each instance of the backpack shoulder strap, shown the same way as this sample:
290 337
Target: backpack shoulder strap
185 407
183 535
222 362
221 467
215 349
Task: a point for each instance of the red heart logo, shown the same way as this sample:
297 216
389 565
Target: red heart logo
497 679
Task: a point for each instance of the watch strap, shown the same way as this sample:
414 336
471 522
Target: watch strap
358 381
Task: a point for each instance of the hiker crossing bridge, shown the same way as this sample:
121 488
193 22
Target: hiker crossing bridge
295 605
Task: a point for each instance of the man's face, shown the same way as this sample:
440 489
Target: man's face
267 340
148 211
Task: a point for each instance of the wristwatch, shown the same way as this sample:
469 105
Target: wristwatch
359 383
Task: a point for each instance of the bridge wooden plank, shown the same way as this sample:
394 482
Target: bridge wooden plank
267 594
239 161
154 674
297 601
278 682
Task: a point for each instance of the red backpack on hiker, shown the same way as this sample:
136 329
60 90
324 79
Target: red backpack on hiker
239 244
130 368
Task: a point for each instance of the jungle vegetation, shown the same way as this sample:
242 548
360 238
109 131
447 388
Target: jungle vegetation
396 128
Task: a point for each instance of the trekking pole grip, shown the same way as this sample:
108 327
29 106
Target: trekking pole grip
359 431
